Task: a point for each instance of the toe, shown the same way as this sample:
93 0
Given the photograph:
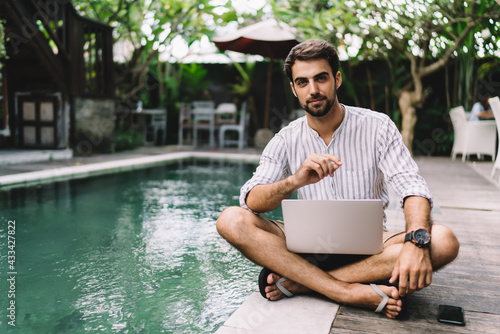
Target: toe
392 309
394 304
272 278
274 293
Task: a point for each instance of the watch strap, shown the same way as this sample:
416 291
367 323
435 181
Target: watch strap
409 236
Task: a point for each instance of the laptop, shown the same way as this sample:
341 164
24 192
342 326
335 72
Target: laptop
333 226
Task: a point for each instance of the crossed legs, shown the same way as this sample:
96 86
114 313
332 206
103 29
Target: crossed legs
264 243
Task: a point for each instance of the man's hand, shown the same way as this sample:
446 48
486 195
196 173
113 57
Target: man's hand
315 168
414 266
267 197
414 269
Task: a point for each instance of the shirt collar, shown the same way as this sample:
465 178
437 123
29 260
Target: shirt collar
342 125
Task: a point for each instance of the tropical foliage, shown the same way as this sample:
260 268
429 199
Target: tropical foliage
427 33
415 38
147 27
3 53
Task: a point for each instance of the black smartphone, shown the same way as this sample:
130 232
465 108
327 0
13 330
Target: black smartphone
451 315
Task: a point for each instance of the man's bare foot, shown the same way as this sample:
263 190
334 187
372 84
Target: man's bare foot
364 296
273 293
360 295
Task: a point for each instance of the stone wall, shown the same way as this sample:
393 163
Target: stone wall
93 125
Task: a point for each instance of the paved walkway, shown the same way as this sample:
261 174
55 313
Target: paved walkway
21 168
467 200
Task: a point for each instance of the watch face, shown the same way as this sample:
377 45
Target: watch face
422 237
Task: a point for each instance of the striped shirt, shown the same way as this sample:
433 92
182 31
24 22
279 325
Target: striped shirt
371 150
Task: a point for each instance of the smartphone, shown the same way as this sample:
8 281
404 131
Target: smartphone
451 315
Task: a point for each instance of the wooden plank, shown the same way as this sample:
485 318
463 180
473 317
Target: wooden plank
422 320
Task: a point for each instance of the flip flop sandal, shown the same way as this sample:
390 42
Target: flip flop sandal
263 283
403 313
385 298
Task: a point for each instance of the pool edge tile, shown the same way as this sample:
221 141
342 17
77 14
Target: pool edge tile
300 314
112 166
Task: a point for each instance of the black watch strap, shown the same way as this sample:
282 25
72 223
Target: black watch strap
409 236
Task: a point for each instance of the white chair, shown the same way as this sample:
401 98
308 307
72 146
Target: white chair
185 121
495 107
204 104
239 128
156 128
472 137
225 113
204 119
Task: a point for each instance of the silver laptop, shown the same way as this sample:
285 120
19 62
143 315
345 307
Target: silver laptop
333 226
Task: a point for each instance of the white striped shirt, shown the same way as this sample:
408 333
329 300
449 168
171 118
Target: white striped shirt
371 150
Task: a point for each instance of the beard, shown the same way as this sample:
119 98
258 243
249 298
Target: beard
322 109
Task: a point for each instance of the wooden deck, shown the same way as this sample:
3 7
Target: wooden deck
470 205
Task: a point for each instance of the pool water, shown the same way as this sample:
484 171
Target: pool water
133 252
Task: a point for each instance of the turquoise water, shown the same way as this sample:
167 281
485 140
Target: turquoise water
134 252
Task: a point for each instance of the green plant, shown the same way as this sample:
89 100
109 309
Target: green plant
148 28
3 52
193 80
243 90
432 133
126 139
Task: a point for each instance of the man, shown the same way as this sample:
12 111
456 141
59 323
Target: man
337 152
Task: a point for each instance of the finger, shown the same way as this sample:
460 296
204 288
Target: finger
403 284
328 166
315 168
413 281
333 158
311 165
334 163
395 274
428 278
332 166
422 281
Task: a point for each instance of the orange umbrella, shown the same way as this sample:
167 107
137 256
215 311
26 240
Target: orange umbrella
270 38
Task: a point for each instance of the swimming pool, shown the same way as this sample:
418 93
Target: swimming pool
133 252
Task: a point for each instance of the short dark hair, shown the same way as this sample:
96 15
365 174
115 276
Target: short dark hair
312 49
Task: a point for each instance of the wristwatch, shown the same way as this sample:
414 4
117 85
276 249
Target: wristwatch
420 237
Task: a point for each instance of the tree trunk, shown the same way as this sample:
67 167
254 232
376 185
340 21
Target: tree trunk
409 102
409 118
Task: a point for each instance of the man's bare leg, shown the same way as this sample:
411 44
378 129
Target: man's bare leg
444 249
264 243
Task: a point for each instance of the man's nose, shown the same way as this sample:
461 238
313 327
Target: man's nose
313 87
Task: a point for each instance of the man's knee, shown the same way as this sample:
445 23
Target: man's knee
445 242
229 221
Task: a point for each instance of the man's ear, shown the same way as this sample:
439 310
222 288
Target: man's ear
338 79
293 89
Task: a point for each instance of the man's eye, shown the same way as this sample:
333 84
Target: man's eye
301 82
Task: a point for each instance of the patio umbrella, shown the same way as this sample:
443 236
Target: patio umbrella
270 38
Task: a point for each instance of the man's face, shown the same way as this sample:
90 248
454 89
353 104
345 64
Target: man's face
315 85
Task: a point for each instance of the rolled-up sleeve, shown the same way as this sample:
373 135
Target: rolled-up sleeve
272 168
398 166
